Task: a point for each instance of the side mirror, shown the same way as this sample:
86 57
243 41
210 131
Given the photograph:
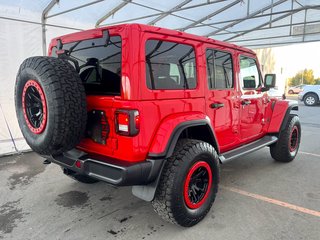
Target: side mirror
269 80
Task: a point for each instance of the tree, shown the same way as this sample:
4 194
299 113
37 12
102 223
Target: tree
302 77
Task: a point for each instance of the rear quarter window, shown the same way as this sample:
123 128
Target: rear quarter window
170 65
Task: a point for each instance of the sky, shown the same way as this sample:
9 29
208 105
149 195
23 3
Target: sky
294 58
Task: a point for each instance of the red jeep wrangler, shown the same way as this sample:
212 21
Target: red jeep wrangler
152 108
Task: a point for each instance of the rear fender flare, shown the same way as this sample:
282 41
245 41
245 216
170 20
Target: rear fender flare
161 149
169 131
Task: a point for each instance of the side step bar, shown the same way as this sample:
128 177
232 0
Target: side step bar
248 148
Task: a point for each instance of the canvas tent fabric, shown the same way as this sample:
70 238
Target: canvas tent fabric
26 27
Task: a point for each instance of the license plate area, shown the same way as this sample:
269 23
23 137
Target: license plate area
98 128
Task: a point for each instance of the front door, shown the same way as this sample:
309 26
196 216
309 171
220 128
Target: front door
221 100
251 101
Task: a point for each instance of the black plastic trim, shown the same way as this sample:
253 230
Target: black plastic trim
148 191
292 106
176 134
119 173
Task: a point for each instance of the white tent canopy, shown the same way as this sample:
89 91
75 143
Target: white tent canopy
26 26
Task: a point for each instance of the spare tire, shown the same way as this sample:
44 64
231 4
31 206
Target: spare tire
50 105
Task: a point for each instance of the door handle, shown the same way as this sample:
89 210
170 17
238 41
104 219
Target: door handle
216 105
245 102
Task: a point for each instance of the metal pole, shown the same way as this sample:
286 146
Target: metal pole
264 24
43 24
112 12
264 45
39 23
75 8
153 22
210 15
304 25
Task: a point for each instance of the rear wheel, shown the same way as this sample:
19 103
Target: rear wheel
286 148
290 92
311 99
188 184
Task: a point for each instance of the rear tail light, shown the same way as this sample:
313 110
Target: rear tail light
127 122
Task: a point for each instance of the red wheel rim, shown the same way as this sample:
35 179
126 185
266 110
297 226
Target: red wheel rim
294 139
34 106
197 185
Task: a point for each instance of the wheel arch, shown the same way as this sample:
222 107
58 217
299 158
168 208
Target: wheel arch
192 128
293 107
281 112
199 129
311 92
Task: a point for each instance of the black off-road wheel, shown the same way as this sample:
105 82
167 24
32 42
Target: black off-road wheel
286 148
50 105
311 99
188 184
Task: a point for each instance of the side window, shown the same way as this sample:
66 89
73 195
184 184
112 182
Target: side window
249 73
170 65
219 69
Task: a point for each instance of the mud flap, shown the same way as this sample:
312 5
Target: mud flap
147 192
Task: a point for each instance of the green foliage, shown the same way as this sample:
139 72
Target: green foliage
303 77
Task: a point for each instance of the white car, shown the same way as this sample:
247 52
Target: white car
296 89
275 92
310 95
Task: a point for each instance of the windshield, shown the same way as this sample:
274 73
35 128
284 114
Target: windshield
98 64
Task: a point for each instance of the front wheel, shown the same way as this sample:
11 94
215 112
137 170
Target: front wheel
286 148
188 184
311 99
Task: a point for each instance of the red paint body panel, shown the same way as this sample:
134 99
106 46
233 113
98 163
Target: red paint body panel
167 127
279 111
160 111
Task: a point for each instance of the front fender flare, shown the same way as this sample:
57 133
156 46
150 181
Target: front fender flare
280 115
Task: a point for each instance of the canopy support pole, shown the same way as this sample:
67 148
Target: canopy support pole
43 24
112 12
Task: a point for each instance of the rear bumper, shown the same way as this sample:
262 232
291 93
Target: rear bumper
76 162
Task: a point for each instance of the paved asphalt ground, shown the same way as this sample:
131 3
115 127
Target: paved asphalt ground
38 202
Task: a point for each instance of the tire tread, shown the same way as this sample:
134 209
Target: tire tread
184 149
66 96
280 150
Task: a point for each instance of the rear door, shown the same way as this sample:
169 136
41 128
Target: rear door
251 101
221 97
99 65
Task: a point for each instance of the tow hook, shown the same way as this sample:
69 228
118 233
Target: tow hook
68 172
46 162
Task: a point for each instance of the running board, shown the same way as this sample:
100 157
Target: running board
248 148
